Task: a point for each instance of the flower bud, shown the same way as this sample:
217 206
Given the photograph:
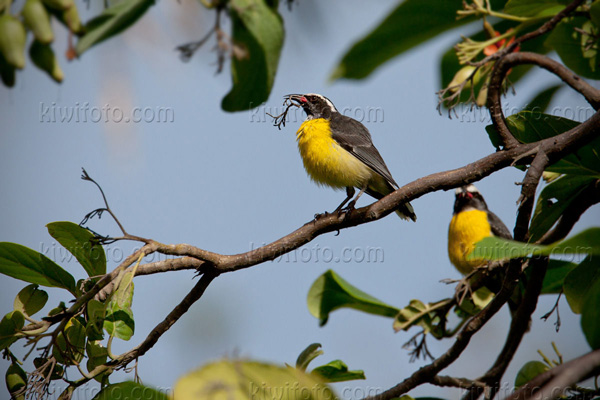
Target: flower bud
461 76
12 40
59 4
44 58
37 19
7 72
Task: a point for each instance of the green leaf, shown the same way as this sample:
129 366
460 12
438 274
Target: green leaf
16 381
529 371
570 44
494 248
590 316
555 276
533 8
119 317
96 312
412 22
30 266
595 12
540 102
69 347
417 314
330 292
80 242
130 391
97 355
308 354
554 200
239 379
580 281
258 34
30 300
113 20
529 127
337 371
10 324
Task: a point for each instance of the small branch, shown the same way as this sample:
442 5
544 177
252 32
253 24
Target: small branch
590 93
450 381
546 385
527 198
98 212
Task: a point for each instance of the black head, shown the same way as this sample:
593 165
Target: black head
315 105
468 197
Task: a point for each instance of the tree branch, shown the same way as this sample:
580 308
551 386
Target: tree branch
527 198
545 385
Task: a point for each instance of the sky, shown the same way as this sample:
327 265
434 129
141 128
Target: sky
231 182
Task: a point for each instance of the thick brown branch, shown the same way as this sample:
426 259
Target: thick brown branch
590 93
550 384
554 148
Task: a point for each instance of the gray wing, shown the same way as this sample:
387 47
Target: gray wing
498 227
356 139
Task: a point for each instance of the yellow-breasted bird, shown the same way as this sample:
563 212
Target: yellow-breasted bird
337 151
471 222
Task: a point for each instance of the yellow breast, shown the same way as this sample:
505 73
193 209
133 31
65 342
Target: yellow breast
325 161
466 229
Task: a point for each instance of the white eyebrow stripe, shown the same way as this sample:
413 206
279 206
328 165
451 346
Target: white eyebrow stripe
329 103
470 188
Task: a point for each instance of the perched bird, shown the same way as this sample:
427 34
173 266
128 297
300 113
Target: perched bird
337 151
471 222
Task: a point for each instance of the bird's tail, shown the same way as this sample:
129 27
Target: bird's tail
406 211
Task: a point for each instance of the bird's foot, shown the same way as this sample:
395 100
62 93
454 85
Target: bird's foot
346 210
463 290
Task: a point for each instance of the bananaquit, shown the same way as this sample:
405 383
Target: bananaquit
471 222
337 151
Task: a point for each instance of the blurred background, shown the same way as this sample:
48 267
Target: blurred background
189 172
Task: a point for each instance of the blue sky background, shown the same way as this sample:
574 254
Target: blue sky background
231 182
